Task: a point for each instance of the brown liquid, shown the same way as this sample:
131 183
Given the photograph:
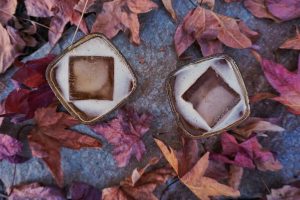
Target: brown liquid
91 77
211 97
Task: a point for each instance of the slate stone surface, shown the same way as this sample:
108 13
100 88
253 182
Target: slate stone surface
97 167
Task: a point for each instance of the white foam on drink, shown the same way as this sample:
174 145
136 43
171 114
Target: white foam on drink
187 76
122 77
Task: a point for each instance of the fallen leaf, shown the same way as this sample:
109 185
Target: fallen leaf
36 191
22 103
284 9
84 191
61 12
203 187
284 81
292 43
9 148
247 154
8 8
285 193
51 134
120 15
125 134
255 125
11 46
32 73
235 176
210 30
169 7
142 189
259 9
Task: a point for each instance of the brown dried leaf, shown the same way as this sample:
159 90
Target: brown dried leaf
169 8
210 30
122 15
141 188
11 45
255 125
292 43
202 186
51 134
61 13
259 9
7 10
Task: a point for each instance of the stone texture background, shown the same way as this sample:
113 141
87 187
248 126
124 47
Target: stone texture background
97 167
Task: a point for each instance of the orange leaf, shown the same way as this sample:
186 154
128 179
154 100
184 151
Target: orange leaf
202 186
169 8
141 188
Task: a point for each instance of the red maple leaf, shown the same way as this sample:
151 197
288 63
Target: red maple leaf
22 102
51 134
125 134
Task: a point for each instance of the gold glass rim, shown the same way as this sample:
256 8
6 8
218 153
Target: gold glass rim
64 102
236 70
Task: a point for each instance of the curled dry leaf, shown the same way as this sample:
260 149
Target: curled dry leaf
141 188
120 15
11 45
292 43
61 13
287 192
247 154
203 187
51 134
259 9
255 125
210 30
125 134
169 7
35 191
8 8
284 81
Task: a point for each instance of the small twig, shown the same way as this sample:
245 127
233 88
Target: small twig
77 27
169 185
32 21
262 180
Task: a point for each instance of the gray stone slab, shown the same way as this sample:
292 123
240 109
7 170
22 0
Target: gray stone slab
97 167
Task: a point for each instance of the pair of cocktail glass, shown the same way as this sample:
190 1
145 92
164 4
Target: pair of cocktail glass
91 78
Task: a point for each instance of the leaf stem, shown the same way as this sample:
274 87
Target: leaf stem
77 27
169 185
